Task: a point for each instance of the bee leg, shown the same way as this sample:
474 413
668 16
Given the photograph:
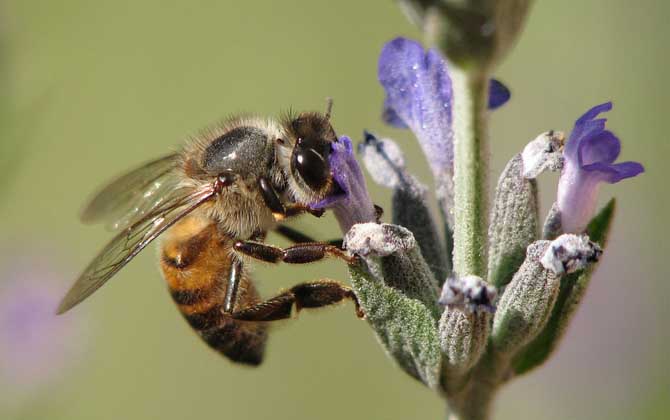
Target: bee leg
279 209
300 238
234 278
305 295
296 254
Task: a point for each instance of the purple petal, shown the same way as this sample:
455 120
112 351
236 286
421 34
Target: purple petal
604 147
595 111
499 94
391 117
589 161
352 204
585 127
613 173
419 95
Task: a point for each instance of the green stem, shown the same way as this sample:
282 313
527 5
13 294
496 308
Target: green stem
474 401
470 171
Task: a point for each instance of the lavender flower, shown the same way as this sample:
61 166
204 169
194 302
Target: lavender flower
353 205
36 346
419 96
589 161
467 342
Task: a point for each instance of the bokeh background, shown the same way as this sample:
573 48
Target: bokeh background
90 89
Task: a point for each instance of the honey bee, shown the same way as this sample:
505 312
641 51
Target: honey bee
216 199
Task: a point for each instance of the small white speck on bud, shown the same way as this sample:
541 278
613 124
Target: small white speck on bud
569 253
470 293
543 153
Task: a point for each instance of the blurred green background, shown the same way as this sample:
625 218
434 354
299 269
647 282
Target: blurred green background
93 88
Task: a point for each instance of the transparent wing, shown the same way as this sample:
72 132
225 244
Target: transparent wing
133 195
128 243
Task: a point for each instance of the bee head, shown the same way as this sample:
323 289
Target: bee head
312 137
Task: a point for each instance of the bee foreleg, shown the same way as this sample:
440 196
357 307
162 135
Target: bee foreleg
281 210
304 295
296 254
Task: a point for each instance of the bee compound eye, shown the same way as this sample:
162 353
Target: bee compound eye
312 167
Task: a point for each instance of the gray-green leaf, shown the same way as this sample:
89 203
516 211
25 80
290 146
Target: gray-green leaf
404 326
397 293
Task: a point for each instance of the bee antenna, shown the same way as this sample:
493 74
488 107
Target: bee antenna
329 107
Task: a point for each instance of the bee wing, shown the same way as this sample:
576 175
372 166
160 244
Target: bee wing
133 195
129 242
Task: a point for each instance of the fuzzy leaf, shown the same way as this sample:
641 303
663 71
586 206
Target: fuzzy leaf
397 292
514 222
573 287
404 326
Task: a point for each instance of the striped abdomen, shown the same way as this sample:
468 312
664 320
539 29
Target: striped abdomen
196 262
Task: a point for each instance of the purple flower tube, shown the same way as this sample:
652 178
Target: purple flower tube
353 205
589 161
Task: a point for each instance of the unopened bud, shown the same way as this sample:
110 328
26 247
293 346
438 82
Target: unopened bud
463 336
514 222
394 251
526 303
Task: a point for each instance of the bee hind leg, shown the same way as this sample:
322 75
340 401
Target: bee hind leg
305 295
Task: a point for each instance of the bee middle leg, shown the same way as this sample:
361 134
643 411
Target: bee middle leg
298 237
297 254
305 295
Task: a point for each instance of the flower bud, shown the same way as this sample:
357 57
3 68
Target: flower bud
463 336
394 251
526 303
464 325
514 222
471 32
